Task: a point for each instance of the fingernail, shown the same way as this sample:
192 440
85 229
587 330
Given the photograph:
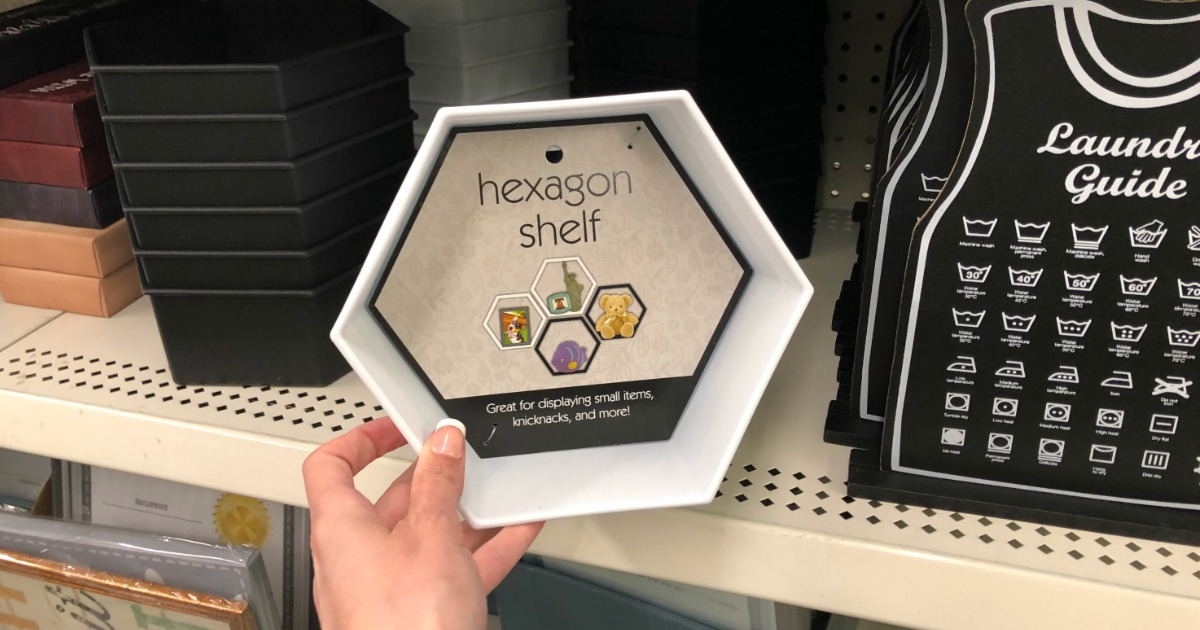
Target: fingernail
448 438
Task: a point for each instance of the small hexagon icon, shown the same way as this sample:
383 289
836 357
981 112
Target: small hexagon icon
616 312
523 237
564 286
568 346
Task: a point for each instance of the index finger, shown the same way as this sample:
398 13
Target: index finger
329 471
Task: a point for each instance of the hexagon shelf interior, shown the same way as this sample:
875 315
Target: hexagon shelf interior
613 256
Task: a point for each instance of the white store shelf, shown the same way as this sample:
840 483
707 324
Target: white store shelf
98 391
18 321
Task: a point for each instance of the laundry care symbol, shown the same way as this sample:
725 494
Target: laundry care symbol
954 437
1137 286
1071 328
978 228
1118 380
1172 386
965 365
1080 281
1127 333
958 402
1110 418
1164 424
1051 450
977 275
1065 374
1031 232
1103 454
1148 236
1005 407
1000 443
1155 460
1182 338
1189 290
1023 278
1057 412
1088 237
1012 369
967 319
1194 238
1016 323
932 184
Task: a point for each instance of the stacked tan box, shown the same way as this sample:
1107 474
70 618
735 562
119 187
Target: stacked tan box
78 270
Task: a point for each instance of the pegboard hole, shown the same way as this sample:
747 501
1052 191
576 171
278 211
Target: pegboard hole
881 16
841 108
842 78
846 47
847 15
875 78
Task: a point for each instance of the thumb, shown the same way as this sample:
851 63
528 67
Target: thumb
437 482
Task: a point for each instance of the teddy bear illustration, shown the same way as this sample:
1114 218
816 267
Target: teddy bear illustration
616 320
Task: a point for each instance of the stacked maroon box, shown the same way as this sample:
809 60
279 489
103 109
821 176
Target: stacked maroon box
55 169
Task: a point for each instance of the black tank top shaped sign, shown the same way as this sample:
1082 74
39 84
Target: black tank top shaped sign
904 194
1051 312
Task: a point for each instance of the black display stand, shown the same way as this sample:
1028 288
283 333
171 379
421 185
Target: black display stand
867 480
842 426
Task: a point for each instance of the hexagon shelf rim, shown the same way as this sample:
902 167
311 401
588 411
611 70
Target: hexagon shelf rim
684 470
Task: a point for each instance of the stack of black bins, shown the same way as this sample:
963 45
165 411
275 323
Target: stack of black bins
755 70
257 146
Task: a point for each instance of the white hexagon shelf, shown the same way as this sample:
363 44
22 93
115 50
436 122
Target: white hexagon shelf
614 241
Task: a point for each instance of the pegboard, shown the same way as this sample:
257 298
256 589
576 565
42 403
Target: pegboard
858 40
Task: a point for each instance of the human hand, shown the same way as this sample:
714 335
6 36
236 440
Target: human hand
408 560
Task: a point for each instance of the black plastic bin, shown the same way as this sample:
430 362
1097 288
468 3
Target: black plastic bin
728 54
248 270
45 35
744 94
252 338
791 205
776 163
242 56
264 183
757 131
694 18
297 227
259 137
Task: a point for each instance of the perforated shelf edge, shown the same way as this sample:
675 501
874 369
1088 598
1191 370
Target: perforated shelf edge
782 528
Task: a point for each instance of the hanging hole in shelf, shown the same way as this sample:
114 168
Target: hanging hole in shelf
554 154
878 47
873 109
875 78
847 15
846 47
881 16
842 78
841 108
